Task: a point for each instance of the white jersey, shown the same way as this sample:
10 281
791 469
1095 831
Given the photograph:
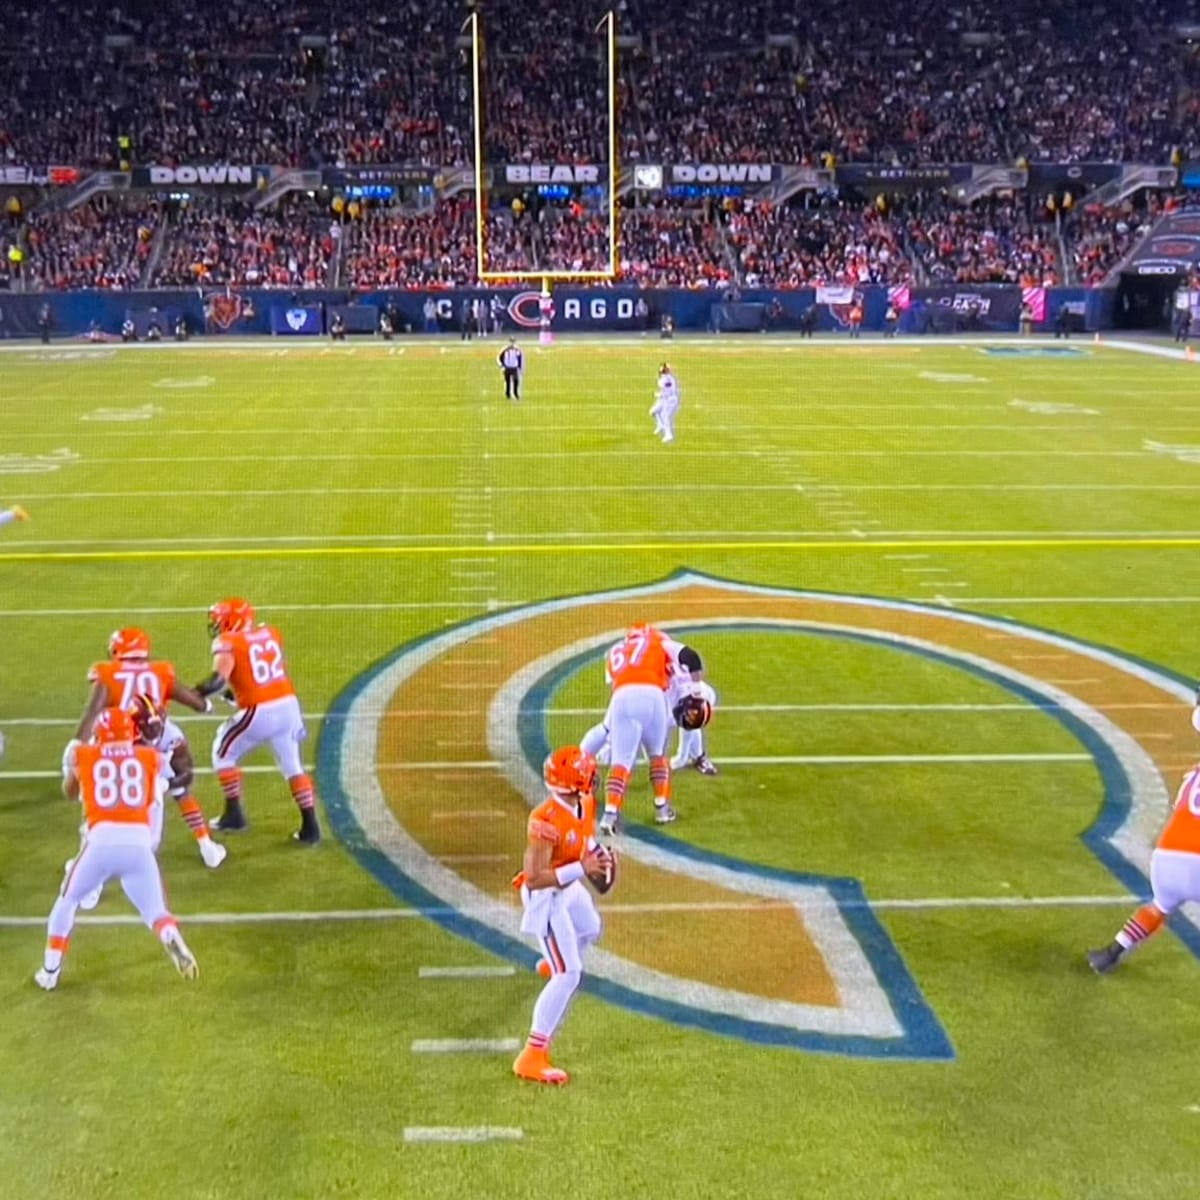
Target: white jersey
668 390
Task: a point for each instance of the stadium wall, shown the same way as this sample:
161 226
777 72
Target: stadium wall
927 310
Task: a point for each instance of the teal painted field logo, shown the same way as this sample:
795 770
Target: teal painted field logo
430 761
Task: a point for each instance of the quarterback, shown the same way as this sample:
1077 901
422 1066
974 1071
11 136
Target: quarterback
561 852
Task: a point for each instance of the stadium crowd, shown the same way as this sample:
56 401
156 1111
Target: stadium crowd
991 241
101 244
917 238
210 243
282 81
287 82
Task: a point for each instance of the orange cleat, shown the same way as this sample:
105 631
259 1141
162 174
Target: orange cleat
534 1064
543 968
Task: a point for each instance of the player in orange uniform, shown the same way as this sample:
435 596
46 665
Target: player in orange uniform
1174 877
639 668
117 783
559 911
248 661
130 672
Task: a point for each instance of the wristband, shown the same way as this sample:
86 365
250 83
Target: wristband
568 873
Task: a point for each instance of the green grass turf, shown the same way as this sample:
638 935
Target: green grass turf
286 1072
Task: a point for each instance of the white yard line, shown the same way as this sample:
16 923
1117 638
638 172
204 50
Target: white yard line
588 488
465 972
465 1045
614 539
406 714
764 760
338 916
463 1133
606 454
197 612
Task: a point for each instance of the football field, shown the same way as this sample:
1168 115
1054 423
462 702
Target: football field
948 596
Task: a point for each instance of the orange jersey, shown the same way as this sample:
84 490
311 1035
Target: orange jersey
259 670
1183 827
568 826
643 657
118 782
122 679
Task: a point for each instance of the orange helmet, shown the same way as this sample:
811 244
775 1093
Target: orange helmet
148 717
113 725
569 770
129 643
230 616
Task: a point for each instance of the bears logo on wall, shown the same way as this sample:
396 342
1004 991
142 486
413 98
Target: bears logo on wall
223 309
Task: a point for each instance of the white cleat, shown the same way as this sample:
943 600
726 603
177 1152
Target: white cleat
181 956
46 980
213 853
668 439
610 824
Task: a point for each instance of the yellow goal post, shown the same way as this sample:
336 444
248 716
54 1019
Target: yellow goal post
544 275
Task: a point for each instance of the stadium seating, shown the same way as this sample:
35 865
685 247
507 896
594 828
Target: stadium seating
868 82
277 83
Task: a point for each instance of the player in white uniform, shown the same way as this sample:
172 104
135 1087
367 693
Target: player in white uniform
689 685
666 404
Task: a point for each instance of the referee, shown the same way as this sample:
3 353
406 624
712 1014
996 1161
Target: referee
513 362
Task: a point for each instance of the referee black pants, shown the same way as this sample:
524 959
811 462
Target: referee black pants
512 383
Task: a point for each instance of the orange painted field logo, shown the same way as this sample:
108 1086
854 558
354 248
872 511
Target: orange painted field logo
435 807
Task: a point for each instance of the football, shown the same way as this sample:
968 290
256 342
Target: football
604 879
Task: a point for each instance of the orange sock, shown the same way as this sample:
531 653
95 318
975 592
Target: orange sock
302 792
1143 924
660 779
615 786
230 780
193 814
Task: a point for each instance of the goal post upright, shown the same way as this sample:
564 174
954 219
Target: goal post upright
545 276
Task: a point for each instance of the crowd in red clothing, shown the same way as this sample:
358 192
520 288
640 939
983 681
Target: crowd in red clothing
922 238
824 243
212 244
991 241
101 244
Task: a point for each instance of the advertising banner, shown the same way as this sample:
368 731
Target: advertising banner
388 175
879 175
297 320
26 176
209 174
995 308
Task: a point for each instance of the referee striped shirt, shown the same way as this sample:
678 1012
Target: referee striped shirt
511 359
